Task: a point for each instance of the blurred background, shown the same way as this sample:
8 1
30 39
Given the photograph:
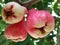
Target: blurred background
53 6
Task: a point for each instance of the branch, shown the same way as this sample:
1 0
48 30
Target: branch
28 3
0 17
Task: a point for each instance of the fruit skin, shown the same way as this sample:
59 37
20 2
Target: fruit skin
13 12
39 23
16 32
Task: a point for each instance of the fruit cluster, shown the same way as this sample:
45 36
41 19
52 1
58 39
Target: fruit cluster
39 23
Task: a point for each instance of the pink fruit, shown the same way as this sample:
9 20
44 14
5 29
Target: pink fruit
16 32
13 12
40 23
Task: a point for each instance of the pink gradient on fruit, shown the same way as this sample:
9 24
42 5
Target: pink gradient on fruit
16 32
39 23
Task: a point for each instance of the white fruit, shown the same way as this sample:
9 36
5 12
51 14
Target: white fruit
13 12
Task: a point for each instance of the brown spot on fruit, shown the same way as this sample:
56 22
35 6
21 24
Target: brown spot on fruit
41 29
11 7
8 14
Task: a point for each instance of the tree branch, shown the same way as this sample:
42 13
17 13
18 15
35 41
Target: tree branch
28 3
0 17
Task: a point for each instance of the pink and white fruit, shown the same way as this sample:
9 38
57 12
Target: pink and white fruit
40 23
16 32
13 12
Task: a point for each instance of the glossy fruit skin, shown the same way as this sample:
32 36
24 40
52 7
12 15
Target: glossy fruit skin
16 32
39 23
13 12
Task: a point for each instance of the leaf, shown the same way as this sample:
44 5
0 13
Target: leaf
0 1
0 9
57 9
2 25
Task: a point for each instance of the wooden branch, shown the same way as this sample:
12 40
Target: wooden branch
28 3
0 17
58 0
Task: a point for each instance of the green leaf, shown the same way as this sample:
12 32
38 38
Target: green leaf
2 25
0 1
0 9
57 9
